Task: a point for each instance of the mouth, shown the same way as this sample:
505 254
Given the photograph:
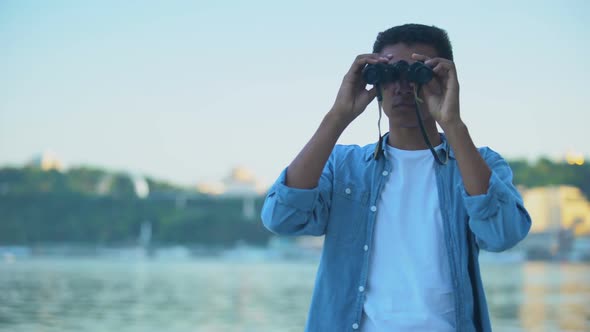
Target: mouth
402 101
404 104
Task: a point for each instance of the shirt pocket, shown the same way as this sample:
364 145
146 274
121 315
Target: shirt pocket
348 213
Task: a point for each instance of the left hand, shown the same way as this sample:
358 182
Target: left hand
441 94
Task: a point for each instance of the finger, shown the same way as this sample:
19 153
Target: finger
442 68
419 57
366 97
435 61
363 59
371 93
434 87
446 76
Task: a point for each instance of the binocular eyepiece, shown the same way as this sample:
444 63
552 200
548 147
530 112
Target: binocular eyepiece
381 73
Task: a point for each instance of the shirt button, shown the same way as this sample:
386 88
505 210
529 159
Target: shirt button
355 326
361 289
385 173
347 190
373 208
366 247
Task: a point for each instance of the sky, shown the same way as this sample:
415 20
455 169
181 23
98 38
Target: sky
184 91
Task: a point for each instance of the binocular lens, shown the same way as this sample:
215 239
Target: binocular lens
381 73
371 75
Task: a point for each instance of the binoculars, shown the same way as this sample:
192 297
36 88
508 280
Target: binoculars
381 73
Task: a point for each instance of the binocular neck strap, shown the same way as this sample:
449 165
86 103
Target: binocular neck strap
417 102
379 147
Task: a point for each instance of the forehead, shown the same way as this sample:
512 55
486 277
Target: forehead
404 51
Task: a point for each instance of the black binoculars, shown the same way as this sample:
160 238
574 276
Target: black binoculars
381 73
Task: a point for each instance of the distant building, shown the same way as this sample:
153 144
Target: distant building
241 182
558 207
210 188
574 158
46 161
140 186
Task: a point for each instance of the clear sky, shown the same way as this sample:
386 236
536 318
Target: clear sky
185 90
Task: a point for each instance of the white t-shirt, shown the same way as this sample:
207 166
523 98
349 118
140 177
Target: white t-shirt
409 286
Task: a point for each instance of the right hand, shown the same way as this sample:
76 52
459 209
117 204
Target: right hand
353 97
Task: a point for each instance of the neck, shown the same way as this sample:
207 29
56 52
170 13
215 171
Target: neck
411 138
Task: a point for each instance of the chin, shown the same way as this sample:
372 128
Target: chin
404 108
407 120
409 125
405 123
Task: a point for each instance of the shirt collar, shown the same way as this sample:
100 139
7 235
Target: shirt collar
441 150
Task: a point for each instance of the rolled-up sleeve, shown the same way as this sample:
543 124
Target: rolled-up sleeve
294 211
498 218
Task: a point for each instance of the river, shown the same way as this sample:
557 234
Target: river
210 295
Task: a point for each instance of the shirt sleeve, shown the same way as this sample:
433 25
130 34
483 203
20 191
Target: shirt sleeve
497 218
294 211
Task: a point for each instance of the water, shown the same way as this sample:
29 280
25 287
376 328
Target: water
210 295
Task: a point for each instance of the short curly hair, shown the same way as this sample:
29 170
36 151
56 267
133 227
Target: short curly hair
411 34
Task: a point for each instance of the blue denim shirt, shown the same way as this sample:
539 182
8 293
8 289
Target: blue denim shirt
342 207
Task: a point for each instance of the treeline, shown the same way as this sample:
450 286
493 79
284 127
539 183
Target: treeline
545 172
92 206
81 180
42 218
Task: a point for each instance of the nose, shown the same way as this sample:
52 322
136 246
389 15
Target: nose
402 86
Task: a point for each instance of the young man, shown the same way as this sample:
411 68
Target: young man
402 230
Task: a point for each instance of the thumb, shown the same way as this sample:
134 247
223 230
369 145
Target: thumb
369 95
373 92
